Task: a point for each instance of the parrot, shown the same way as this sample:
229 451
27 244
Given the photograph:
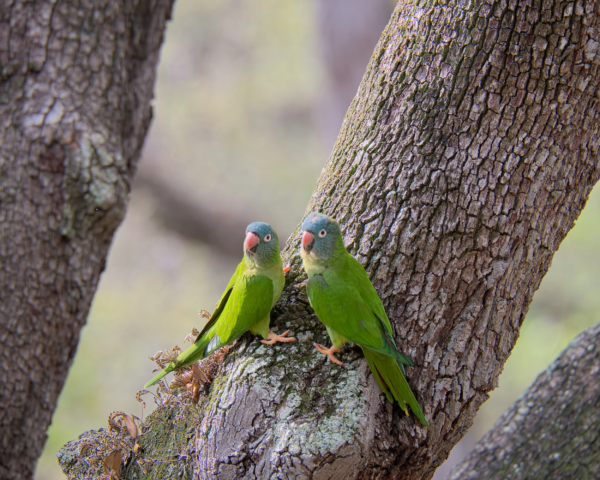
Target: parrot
344 299
246 303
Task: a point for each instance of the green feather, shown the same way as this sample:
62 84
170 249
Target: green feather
341 308
388 374
247 302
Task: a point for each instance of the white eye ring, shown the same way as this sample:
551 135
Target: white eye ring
268 237
322 233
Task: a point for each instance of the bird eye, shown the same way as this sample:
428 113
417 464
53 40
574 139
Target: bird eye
268 237
322 233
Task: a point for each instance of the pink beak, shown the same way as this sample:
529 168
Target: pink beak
251 241
307 238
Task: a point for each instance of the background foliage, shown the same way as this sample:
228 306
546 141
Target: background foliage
237 130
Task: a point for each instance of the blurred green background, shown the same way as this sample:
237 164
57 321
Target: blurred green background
249 99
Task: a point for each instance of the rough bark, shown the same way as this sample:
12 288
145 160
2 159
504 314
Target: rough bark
464 160
76 84
553 431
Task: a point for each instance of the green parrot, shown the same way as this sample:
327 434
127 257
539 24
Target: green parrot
342 296
246 303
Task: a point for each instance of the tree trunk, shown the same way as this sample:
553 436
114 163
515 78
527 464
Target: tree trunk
463 162
553 431
76 83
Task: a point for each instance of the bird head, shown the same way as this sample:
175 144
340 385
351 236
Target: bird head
321 237
261 244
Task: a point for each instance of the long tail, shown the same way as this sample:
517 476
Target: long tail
388 374
165 371
202 348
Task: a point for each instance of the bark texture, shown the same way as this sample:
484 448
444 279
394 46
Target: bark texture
553 431
76 84
464 160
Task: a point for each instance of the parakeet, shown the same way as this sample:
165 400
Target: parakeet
342 296
247 301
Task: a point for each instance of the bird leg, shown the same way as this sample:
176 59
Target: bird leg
329 352
273 338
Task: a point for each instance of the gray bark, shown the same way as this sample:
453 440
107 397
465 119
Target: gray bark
76 82
464 160
553 431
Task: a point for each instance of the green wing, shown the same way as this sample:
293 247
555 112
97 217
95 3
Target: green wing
250 301
246 300
223 300
340 307
355 273
359 279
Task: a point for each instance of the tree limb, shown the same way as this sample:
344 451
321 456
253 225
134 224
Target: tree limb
553 431
192 219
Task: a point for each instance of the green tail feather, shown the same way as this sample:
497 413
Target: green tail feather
161 374
389 376
195 352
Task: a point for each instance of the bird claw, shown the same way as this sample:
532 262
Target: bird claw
287 269
273 338
329 352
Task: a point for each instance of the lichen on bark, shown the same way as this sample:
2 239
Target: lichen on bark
163 450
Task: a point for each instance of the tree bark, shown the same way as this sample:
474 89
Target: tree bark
553 431
464 160
76 84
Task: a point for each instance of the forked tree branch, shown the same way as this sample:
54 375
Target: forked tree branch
464 160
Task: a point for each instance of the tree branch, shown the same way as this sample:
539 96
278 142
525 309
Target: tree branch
553 431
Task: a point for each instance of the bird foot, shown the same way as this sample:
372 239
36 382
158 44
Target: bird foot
273 338
286 269
329 352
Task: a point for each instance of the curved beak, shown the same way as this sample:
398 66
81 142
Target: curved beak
308 240
251 242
